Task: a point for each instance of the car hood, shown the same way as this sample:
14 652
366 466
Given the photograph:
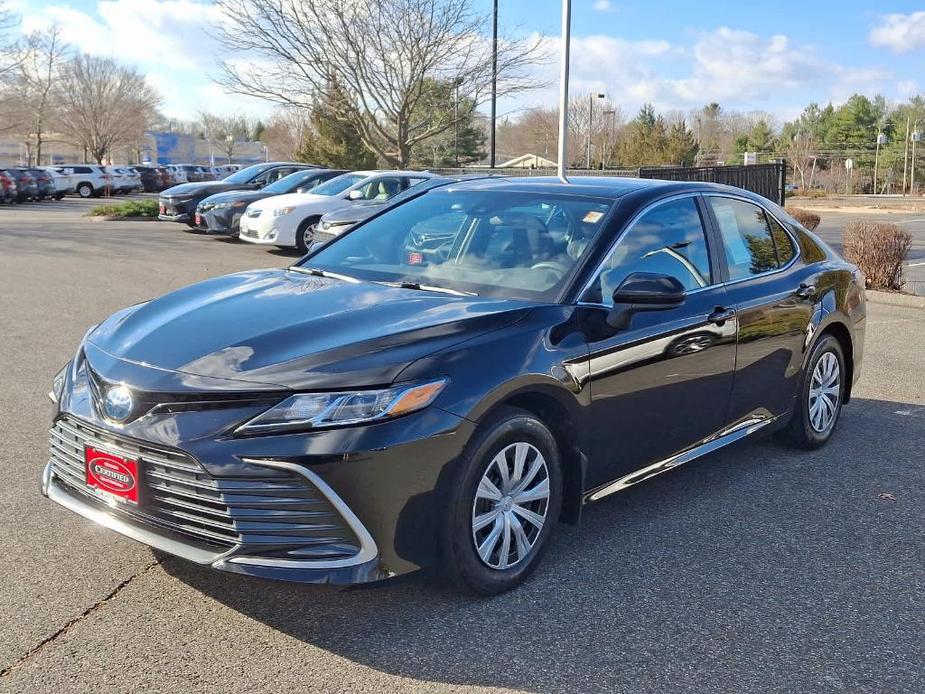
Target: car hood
294 200
294 330
354 213
203 188
247 196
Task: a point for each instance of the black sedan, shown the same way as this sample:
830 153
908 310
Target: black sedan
383 406
178 204
27 187
221 213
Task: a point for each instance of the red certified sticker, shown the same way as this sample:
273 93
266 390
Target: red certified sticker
163 209
198 219
112 473
415 258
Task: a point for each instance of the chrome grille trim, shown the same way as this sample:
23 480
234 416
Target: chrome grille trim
274 512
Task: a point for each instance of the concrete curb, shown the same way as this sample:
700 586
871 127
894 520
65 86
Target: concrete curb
115 218
895 299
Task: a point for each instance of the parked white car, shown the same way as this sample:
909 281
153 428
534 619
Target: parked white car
290 220
125 180
65 182
92 180
178 172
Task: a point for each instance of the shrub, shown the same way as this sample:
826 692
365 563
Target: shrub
132 208
879 250
808 219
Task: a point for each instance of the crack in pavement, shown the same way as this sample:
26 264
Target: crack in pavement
35 650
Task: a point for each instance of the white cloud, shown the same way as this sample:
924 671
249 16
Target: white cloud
602 5
900 33
167 40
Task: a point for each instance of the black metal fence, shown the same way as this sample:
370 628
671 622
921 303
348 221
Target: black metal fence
765 179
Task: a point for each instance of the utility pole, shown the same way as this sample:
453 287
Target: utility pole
494 79
916 136
877 158
906 156
456 126
563 89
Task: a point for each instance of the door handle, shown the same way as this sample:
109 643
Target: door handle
806 290
721 314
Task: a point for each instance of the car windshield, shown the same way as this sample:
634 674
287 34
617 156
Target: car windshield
289 183
338 184
246 175
519 245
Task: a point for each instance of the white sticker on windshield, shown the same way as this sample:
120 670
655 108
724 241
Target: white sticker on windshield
593 217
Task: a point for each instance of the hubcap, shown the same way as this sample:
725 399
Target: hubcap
510 505
824 393
308 235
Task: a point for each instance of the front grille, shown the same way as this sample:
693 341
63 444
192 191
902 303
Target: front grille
271 513
249 233
323 236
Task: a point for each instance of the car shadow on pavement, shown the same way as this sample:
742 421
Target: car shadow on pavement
758 568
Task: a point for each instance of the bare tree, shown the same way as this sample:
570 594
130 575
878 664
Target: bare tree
9 45
33 87
799 154
285 132
224 133
383 55
104 104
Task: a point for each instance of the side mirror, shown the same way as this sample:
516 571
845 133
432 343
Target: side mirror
355 195
644 291
301 190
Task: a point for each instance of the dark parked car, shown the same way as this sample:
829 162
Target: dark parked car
27 188
377 408
178 204
221 213
7 186
150 179
44 183
167 179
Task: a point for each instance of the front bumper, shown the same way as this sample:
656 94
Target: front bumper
222 220
216 499
173 210
267 229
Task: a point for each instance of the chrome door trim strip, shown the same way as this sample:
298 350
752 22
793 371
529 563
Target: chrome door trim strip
368 549
724 438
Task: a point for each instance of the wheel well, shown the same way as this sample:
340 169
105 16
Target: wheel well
840 333
563 428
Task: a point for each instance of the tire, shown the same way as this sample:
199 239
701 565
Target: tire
85 190
58 196
810 426
306 229
482 569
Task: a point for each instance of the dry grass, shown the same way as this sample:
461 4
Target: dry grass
808 219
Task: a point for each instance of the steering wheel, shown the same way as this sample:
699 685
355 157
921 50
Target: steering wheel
558 270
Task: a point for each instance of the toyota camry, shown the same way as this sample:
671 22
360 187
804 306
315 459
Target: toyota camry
446 382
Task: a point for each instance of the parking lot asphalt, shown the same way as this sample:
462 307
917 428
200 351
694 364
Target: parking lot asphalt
757 569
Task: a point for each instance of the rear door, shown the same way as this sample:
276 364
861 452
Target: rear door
662 385
774 299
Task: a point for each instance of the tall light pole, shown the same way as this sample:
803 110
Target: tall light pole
563 89
881 140
494 80
906 154
591 97
916 136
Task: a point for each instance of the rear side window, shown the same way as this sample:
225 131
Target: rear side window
782 242
747 237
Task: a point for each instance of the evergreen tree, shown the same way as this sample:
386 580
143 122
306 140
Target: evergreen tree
681 148
463 142
332 140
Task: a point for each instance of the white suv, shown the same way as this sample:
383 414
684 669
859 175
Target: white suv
290 220
126 180
91 180
65 182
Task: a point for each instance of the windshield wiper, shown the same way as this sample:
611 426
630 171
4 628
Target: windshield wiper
427 288
315 272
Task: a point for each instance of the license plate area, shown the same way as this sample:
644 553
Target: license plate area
112 476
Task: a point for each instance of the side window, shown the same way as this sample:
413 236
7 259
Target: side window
381 188
669 240
746 237
782 242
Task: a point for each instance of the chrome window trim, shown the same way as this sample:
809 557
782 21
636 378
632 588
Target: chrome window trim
793 242
368 549
629 226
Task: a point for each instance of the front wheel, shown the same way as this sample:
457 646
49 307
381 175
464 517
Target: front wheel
822 393
503 506
305 234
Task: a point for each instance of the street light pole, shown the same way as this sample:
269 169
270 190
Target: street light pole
494 79
591 121
916 136
877 160
563 89
906 155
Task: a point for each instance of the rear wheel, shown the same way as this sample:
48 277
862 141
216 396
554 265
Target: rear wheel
822 393
305 234
504 504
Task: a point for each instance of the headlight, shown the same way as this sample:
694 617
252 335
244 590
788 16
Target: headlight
280 211
225 205
319 410
57 384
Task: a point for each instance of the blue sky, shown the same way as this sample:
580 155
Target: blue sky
748 56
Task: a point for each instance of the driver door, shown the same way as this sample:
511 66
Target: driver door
663 384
